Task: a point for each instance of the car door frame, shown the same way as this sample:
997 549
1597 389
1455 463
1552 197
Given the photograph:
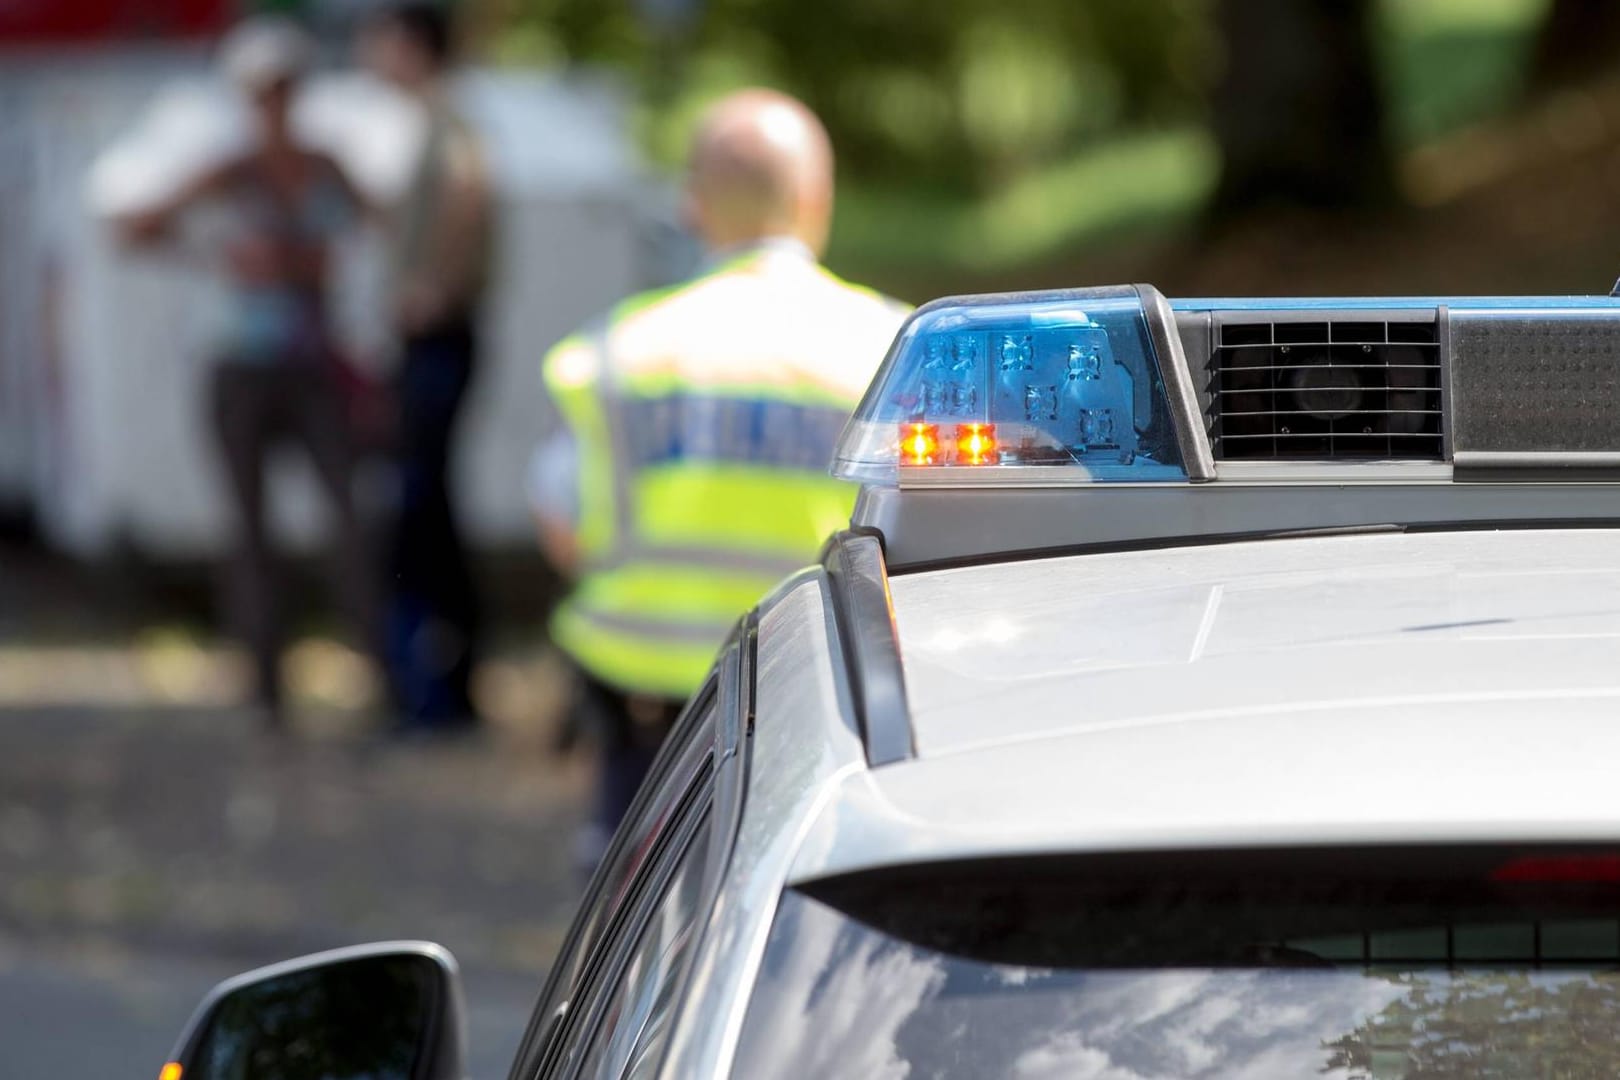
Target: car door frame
580 1032
703 759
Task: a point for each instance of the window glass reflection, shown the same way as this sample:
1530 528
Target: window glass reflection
837 997
636 1024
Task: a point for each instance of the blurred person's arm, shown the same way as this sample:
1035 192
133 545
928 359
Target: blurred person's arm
456 249
362 207
557 471
554 500
146 228
248 256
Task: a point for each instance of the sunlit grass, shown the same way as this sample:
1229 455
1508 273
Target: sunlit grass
152 671
1448 63
1143 180
1418 17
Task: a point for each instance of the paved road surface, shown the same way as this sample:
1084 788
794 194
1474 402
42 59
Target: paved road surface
114 1018
146 853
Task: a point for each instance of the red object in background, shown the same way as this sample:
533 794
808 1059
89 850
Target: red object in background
56 22
1560 869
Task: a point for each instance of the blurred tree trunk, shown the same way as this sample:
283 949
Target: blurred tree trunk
1299 111
1578 39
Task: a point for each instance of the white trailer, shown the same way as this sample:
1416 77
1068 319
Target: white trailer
104 353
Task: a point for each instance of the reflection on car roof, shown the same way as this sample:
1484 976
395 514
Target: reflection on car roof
1303 627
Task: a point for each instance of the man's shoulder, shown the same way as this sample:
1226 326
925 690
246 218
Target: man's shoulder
865 295
863 316
652 301
576 359
719 305
753 289
573 362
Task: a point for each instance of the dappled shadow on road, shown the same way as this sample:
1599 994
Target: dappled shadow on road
147 852
191 831
154 838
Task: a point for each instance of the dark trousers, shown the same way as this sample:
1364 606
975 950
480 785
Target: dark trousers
630 729
433 607
257 407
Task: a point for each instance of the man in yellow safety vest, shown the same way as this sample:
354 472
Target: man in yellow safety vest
690 473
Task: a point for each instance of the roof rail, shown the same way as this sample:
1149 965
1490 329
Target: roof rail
863 614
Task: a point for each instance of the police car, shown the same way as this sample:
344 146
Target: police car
1211 688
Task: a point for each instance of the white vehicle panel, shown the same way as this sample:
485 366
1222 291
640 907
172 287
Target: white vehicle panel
1372 774
1313 631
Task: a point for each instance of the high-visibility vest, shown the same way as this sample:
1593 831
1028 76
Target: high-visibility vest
705 418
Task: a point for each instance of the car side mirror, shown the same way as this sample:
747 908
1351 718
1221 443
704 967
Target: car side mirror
390 1011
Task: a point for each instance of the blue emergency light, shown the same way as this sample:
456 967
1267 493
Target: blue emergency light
1046 421
1119 385
1000 383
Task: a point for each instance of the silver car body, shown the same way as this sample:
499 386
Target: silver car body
1084 645
1371 688
1087 606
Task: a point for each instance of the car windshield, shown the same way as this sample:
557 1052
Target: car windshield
1352 964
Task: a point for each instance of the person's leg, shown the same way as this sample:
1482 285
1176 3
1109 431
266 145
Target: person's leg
320 423
410 649
433 611
457 598
624 754
242 412
629 731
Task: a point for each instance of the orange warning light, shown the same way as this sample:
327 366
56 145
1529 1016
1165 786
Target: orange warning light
976 444
919 444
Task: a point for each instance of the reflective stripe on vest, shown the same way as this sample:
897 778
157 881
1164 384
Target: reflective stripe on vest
697 496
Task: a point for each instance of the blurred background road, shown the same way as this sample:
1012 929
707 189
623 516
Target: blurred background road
153 840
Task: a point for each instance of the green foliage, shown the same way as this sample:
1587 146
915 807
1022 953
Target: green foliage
1487 1025
1448 63
1153 178
969 95
979 136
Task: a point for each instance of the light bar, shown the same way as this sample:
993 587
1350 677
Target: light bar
1069 384
1221 418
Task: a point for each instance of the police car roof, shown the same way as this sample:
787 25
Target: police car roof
1333 628
1024 683
1354 689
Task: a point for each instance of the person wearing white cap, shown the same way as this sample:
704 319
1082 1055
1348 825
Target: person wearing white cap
275 380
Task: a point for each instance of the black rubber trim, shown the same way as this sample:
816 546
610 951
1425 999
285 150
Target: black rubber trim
1535 467
863 613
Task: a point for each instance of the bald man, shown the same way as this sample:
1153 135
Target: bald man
698 426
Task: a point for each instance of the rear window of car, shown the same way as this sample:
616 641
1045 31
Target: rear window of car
1388 963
